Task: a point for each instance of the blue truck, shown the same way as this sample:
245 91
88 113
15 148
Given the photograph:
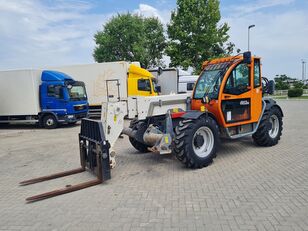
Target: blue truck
46 97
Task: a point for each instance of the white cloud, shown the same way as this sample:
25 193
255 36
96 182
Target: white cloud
149 11
258 5
34 34
163 15
280 37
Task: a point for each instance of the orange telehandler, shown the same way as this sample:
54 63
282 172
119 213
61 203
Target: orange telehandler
227 102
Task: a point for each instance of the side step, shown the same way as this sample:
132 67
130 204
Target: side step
94 156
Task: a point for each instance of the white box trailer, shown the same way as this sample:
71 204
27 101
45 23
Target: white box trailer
101 80
173 80
187 83
19 92
167 79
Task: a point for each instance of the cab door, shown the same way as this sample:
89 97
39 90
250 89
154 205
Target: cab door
236 103
256 92
113 90
52 98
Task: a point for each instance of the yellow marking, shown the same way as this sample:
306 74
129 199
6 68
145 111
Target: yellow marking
202 108
207 99
166 140
115 118
175 110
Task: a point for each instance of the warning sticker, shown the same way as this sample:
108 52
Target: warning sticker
229 115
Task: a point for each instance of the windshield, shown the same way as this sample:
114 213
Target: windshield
77 92
210 80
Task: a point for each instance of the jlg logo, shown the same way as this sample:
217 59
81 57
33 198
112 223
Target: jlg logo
244 102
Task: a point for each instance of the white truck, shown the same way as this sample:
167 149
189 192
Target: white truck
111 81
41 96
174 80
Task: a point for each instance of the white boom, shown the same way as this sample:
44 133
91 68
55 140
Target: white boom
140 108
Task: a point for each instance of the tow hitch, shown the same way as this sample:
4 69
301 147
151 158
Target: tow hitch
94 156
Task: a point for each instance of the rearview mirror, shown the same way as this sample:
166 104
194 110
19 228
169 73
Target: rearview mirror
159 71
271 87
247 57
158 89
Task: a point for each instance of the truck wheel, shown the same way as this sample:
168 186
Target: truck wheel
270 128
135 124
50 121
196 142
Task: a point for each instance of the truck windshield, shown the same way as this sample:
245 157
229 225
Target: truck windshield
210 80
77 92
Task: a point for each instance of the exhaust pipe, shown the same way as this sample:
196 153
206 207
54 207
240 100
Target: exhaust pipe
151 136
129 132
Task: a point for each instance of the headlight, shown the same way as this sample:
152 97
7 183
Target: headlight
70 116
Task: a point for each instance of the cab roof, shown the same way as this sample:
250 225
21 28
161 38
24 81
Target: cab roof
134 69
55 76
224 59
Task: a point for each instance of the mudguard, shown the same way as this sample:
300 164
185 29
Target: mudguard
272 103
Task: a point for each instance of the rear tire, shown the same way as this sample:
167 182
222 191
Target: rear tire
50 122
141 147
270 128
196 142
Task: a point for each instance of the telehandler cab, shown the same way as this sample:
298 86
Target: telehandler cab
227 101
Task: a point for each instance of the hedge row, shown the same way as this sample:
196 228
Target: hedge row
295 92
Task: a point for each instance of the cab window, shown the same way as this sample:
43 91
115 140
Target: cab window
256 78
144 85
190 86
55 91
238 80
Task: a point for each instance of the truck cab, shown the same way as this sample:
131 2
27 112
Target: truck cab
141 82
62 99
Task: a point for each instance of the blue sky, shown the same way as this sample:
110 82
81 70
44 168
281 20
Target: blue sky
43 33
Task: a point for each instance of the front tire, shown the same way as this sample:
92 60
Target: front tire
50 122
196 142
270 128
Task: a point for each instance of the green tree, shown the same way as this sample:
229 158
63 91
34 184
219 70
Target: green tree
280 85
283 82
132 38
298 84
195 35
